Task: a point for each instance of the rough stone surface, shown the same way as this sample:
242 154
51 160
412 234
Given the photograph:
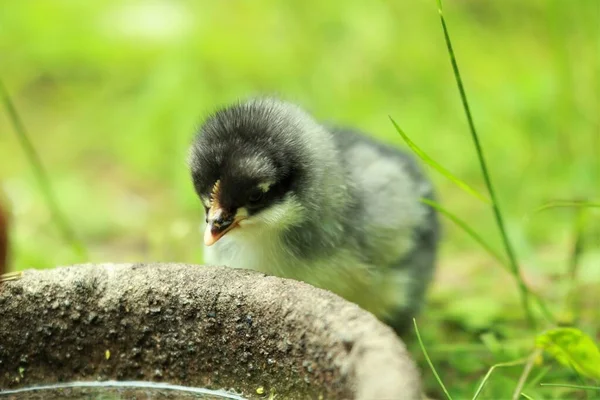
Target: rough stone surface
212 327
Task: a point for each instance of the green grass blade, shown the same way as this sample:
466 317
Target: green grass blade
464 226
567 204
526 396
568 385
429 361
431 162
11 276
550 317
525 374
523 289
538 377
41 175
492 368
479 239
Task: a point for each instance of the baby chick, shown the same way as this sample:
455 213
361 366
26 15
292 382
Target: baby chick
291 197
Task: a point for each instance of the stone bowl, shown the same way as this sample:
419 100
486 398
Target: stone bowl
209 327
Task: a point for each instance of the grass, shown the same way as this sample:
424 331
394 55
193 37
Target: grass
111 92
567 352
43 181
429 362
508 247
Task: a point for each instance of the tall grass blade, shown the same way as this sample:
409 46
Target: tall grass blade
462 224
524 292
538 377
41 175
11 276
525 374
4 243
492 368
479 239
567 204
577 250
568 385
417 150
437 377
550 317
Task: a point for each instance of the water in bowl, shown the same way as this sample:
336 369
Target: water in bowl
113 390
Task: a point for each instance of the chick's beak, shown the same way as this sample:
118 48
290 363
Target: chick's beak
218 224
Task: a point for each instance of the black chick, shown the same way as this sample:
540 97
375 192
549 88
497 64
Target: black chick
291 197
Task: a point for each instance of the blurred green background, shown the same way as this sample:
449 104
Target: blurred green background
112 91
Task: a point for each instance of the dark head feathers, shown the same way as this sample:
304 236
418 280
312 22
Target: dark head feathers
246 145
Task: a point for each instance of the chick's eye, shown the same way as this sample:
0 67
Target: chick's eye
255 197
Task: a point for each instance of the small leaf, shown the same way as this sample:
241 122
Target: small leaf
573 348
107 354
464 186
